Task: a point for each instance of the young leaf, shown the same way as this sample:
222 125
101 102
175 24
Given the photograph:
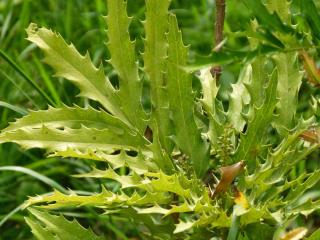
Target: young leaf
238 99
210 91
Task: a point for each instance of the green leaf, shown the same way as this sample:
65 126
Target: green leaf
312 15
282 8
239 98
302 186
139 164
289 82
126 181
71 117
155 66
250 142
82 139
265 17
187 136
69 64
51 227
315 235
209 92
256 87
124 62
105 199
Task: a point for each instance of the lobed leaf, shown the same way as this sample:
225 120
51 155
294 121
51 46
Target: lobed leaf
124 63
70 64
250 142
155 66
84 138
289 82
187 136
47 227
70 117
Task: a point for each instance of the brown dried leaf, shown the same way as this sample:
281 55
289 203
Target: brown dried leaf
311 135
228 174
313 72
295 234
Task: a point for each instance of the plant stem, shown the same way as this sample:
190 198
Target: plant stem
219 24
234 228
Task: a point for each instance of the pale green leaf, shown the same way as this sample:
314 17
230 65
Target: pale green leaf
70 64
140 164
71 117
46 227
105 199
289 82
282 8
183 226
60 140
209 92
123 59
239 98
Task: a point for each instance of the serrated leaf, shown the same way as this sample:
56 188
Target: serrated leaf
46 227
181 100
256 87
70 117
60 140
265 17
239 98
126 181
289 82
139 164
210 91
305 208
155 66
124 62
250 142
282 8
105 199
302 187
70 64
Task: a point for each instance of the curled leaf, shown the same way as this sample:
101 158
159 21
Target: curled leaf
228 174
